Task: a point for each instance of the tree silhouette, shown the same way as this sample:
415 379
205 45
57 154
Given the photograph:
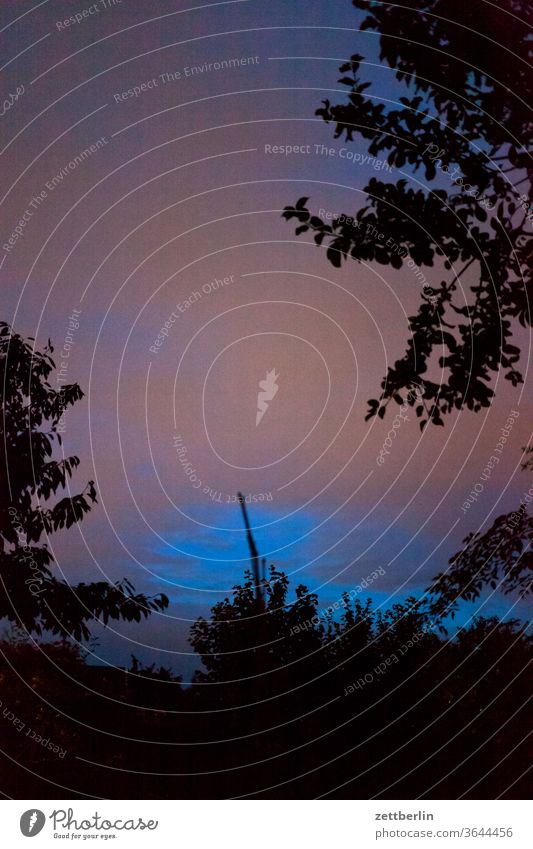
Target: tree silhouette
461 124
294 634
238 643
29 476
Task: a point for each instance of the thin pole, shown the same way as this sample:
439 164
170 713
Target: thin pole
254 554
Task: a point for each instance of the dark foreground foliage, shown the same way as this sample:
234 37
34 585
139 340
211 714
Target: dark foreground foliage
381 703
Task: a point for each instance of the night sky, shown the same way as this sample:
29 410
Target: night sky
174 215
